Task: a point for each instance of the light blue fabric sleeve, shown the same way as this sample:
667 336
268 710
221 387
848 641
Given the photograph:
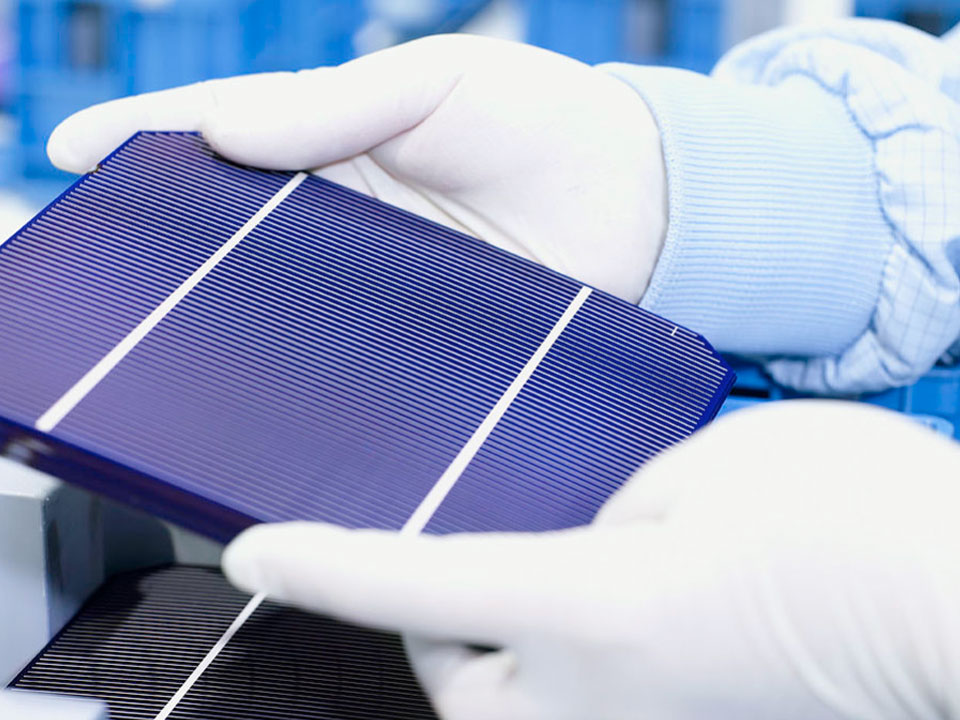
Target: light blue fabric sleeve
814 188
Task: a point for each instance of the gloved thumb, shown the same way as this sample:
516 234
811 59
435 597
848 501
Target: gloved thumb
487 588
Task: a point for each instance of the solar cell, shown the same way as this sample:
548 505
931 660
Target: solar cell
142 635
222 346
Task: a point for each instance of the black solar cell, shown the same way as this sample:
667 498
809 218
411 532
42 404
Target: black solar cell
141 636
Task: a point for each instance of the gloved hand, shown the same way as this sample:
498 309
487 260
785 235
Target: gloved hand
529 150
795 561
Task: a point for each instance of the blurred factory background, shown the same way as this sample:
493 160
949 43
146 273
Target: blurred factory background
57 56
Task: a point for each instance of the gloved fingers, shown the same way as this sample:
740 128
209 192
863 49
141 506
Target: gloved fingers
659 487
480 588
287 121
650 494
82 140
467 684
730 454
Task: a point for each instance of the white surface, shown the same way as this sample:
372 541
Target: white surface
19 705
58 543
51 559
17 480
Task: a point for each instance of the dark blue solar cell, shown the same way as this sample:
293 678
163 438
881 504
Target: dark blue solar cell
617 388
82 274
284 348
325 369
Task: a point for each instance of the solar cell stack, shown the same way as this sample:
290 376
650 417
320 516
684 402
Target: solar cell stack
223 346
143 634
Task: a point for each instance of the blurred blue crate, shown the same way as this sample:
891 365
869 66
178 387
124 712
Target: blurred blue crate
295 34
934 16
592 32
936 394
407 20
74 53
696 28
934 400
682 33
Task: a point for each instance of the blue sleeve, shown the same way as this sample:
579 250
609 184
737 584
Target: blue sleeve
814 188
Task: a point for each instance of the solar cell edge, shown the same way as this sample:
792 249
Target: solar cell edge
723 390
81 179
84 468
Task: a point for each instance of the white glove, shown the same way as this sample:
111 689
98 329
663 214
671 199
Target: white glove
529 150
795 561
